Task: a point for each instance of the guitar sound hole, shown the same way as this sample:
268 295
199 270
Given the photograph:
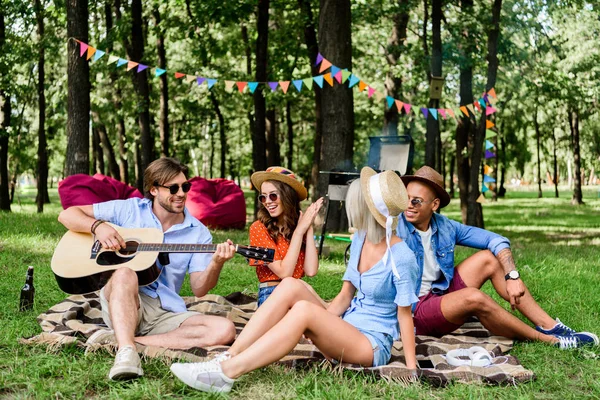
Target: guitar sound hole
130 248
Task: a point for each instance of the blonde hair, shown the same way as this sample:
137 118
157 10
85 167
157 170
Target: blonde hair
359 216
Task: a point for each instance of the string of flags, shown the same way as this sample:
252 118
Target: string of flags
487 170
329 74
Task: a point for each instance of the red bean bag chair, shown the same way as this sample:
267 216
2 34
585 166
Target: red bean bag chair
217 203
83 190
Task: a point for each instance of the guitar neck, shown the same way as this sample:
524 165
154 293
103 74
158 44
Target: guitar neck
178 248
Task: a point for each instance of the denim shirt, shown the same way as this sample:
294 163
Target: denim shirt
445 235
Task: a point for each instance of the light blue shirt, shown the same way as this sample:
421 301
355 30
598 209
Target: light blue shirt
378 292
137 213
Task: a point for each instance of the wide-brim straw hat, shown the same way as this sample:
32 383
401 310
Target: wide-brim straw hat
393 194
432 178
280 174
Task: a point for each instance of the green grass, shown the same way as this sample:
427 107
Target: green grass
555 247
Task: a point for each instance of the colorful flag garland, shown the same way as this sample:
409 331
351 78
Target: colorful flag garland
488 146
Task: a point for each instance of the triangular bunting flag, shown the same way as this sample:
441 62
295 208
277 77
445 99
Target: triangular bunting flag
252 86
141 67
319 59
484 188
380 96
210 83
424 111
90 52
328 78
490 110
477 106
399 105
338 76
318 80
492 93
464 110
442 112
190 78
159 71
345 75
433 112
298 84
241 86
121 62
179 75
481 198
489 134
361 86
390 101
487 169
200 80
353 80
482 102
112 59
229 85
371 91
488 179
470 108
407 108
98 55
488 124
131 65
284 86
324 65
489 154
82 48
492 100
488 144
308 82
334 70
450 112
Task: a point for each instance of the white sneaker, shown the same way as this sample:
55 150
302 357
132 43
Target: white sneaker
127 365
224 356
102 336
205 376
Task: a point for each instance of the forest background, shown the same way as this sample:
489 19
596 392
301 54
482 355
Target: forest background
61 114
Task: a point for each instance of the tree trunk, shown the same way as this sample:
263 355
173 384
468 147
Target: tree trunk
451 177
222 138
432 155
107 148
555 163
290 135
539 163
164 89
574 124
310 38
335 37
140 83
273 149
502 189
5 110
97 152
78 118
211 135
393 81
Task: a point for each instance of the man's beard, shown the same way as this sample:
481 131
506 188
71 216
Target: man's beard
167 206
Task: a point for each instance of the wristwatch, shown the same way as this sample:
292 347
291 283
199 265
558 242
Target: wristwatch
514 275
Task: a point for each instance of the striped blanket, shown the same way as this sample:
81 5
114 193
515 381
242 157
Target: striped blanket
74 319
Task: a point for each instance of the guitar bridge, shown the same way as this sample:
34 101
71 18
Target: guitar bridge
95 250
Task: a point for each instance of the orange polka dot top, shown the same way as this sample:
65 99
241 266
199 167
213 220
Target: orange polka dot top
259 236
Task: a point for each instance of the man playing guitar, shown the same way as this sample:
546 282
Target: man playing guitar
155 314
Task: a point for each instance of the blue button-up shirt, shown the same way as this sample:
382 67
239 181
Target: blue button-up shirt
137 213
378 291
445 235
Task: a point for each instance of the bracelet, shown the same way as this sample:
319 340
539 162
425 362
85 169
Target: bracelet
95 225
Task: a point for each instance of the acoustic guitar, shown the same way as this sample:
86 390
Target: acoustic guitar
81 265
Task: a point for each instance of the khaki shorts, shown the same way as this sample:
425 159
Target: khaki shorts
152 319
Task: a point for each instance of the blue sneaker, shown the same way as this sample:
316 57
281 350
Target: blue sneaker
559 329
577 339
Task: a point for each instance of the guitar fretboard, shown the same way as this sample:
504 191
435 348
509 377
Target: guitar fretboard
178 248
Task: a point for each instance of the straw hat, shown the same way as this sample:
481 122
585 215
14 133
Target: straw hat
392 194
432 178
282 175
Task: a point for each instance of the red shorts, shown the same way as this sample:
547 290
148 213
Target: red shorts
428 317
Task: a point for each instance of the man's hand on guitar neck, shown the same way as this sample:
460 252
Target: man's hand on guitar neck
109 238
225 251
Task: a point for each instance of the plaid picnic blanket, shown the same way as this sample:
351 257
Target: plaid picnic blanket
76 318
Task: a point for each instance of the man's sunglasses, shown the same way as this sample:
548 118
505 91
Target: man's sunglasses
174 189
263 198
418 202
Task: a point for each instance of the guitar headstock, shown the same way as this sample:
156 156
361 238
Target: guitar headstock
257 253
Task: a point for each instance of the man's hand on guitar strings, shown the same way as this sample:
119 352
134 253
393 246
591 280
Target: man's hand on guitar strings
225 251
109 238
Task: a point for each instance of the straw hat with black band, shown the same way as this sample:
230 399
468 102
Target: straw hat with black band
280 174
386 198
433 179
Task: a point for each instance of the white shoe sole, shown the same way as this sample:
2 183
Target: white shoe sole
178 371
125 373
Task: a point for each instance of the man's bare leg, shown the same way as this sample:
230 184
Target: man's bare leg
121 291
483 265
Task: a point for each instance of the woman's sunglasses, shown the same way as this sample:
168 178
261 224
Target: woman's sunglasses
272 196
174 189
